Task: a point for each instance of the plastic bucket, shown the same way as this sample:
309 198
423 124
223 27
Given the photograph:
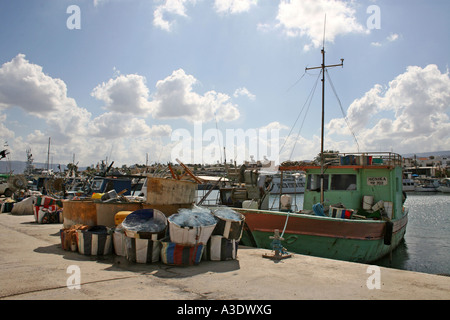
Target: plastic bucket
144 223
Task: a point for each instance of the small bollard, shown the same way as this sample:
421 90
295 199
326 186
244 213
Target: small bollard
279 251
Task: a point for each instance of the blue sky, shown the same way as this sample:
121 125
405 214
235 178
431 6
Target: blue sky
184 78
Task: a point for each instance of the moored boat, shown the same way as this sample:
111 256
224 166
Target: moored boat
426 185
352 210
408 182
351 224
444 186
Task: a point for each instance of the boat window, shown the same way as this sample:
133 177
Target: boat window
313 182
97 184
343 182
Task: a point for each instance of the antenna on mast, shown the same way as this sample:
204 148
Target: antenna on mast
324 26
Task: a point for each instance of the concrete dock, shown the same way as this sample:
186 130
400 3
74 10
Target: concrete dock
34 266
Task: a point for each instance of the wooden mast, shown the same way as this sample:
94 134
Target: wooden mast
322 160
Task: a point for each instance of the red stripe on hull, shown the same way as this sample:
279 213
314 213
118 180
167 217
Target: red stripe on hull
318 226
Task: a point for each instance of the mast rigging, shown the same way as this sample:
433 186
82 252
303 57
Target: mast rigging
323 67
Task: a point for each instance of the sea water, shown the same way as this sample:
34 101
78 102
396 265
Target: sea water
426 246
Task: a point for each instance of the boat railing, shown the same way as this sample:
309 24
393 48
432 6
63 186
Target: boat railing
365 159
355 159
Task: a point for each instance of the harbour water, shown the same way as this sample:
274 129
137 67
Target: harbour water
426 246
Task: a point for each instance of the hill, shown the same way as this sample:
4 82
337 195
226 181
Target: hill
427 154
18 167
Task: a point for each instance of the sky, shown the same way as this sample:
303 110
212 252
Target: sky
207 81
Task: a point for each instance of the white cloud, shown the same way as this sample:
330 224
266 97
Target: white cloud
169 8
44 95
124 94
6 134
175 98
24 85
275 125
165 13
264 27
113 125
306 18
419 102
293 147
393 37
98 2
244 92
234 6
71 128
160 130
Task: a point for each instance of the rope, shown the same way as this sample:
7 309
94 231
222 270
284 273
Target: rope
304 117
309 98
296 82
342 110
285 224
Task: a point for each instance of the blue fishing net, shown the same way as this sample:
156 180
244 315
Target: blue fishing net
144 221
195 217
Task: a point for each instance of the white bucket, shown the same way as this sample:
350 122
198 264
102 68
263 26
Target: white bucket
143 250
190 236
367 202
119 242
378 205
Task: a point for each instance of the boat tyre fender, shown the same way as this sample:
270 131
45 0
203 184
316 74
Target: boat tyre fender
291 239
388 229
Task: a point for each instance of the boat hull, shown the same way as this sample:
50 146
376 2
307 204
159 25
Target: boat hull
444 189
341 239
425 189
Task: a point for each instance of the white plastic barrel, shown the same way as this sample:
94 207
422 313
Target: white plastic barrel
286 202
367 202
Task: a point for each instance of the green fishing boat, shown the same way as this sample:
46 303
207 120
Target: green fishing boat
353 206
361 217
